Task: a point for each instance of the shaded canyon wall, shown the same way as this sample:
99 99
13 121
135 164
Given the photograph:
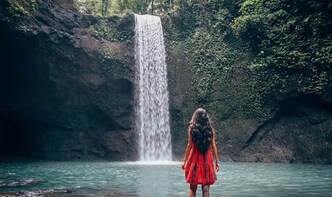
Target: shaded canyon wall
67 93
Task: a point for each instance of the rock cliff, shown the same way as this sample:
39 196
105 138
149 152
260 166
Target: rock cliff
65 93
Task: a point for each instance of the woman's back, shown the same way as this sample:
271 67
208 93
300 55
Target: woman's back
198 161
201 136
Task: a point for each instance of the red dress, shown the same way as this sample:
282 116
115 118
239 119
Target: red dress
199 168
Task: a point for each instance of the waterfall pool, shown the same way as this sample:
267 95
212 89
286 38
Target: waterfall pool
164 179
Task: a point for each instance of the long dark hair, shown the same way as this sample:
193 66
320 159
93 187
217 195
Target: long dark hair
201 130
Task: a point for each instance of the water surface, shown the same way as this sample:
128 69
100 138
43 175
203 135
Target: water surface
166 179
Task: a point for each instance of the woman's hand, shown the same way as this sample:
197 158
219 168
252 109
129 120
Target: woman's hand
183 165
217 166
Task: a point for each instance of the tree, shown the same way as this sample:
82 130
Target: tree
104 7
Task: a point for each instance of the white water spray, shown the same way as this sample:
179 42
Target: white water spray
152 114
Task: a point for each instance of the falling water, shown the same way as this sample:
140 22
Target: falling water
151 90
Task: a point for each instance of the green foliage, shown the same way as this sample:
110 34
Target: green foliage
248 55
221 76
20 12
118 7
115 28
22 8
91 7
292 41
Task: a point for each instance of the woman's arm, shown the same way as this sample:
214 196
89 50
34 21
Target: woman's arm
214 149
189 145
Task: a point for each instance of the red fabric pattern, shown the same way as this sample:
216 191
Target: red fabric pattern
199 168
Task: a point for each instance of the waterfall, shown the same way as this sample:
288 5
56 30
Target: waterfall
152 114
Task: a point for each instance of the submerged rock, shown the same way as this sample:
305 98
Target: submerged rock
41 192
46 192
18 183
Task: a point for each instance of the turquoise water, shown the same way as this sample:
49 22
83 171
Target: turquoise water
167 179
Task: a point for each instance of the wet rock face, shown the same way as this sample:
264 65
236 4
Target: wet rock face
57 100
299 132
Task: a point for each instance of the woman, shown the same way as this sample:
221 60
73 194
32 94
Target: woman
198 160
